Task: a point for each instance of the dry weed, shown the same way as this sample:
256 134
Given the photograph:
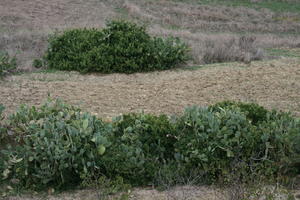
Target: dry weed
25 25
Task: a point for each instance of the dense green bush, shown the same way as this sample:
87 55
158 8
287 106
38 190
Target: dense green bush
213 140
58 145
141 143
6 63
216 139
121 47
254 112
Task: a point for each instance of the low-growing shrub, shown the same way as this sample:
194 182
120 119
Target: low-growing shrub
121 47
140 144
2 135
105 187
254 112
2 126
38 63
55 145
215 140
7 64
2 108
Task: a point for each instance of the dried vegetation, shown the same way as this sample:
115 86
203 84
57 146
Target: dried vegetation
25 26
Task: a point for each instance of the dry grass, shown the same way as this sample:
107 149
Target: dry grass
202 24
25 25
274 84
198 18
242 50
176 193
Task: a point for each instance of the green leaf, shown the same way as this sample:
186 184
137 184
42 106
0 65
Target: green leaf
85 123
14 160
5 173
229 153
101 150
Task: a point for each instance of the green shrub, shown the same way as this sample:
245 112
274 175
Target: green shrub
2 108
140 144
254 112
213 140
38 63
2 134
121 47
218 140
278 146
106 187
56 145
2 129
7 63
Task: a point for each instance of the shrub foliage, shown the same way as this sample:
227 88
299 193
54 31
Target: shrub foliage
58 145
120 47
143 141
7 63
218 140
2 129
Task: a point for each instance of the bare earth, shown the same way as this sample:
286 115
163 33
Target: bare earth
176 193
180 193
274 84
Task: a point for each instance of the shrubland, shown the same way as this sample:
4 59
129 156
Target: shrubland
57 145
122 46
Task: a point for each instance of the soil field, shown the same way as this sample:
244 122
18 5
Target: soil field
274 84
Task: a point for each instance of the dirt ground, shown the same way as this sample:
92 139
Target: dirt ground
180 193
176 193
274 84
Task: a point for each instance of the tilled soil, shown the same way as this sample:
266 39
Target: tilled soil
273 84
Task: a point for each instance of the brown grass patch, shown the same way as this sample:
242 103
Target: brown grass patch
274 84
25 25
202 24
215 18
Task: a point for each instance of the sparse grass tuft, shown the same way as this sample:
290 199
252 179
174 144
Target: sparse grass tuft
7 63
273 5
242 50
284 52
